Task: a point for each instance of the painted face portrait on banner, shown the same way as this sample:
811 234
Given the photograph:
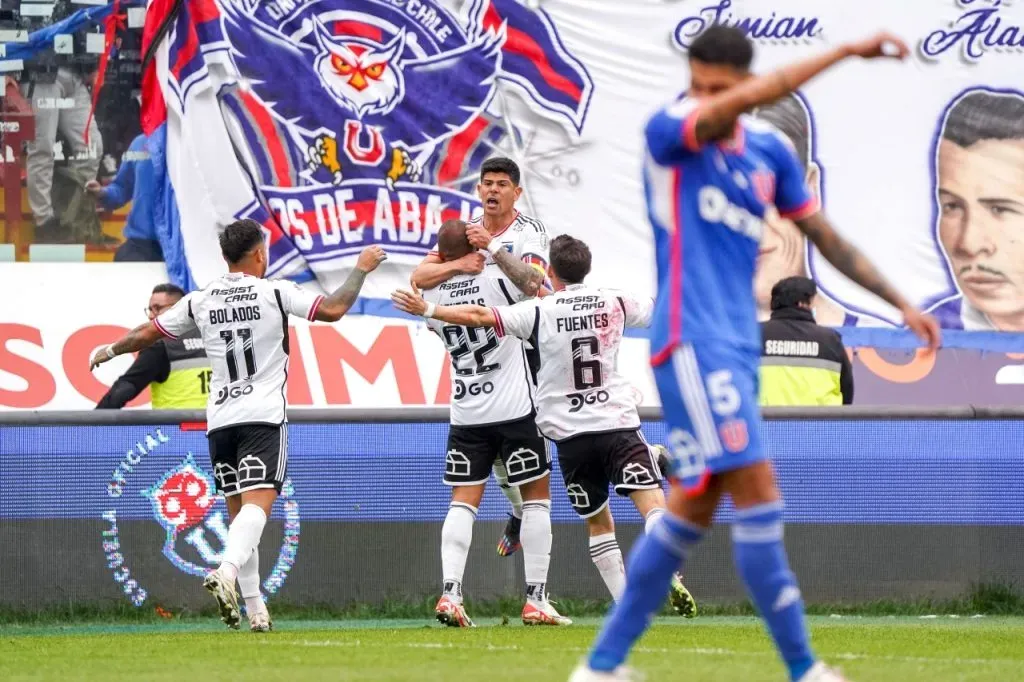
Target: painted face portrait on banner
979 165
783 250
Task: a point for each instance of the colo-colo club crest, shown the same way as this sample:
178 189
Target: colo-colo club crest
364 121
153 481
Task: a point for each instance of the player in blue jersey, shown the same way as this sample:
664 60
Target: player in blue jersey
709 174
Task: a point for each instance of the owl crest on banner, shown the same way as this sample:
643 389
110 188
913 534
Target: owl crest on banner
363 122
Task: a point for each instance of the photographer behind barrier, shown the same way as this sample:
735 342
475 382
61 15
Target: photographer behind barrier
177 370
57 82
802 363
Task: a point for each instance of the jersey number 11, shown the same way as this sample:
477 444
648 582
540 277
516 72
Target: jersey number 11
244 335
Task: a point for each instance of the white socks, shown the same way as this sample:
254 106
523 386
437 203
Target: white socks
652 518
606 555
243 537
456 537
249 583
536 538
515 498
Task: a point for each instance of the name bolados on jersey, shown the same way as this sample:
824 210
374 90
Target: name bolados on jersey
491 380
243 321
578 331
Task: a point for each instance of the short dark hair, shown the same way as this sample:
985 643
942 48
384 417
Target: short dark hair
791 117
501 164
791 291
983 115
570 259
170 289
726 45
239 238
451 239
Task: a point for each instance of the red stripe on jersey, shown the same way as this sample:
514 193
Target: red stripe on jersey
502 230
160 328
675 276
315 307
690 131
499 327
804 210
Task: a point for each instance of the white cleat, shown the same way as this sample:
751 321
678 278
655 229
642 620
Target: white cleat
223 590
621 674
543 613
260 622
820 672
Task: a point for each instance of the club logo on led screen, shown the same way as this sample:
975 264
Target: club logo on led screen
181 496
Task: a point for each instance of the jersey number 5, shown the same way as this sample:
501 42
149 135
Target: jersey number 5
463 341
244 335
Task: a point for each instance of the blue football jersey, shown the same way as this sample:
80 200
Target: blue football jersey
707 203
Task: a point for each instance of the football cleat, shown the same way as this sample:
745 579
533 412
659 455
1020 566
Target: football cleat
451 613
543 613
820 672
509 543
260 622
621 674
680 598
223 590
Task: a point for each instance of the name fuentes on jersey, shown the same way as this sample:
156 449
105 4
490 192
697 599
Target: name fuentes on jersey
229 315
582 323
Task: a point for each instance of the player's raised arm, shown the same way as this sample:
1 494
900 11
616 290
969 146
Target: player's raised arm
526 276
852 263
333 307
717 111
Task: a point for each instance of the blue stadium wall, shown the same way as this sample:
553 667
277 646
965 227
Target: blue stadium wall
875 509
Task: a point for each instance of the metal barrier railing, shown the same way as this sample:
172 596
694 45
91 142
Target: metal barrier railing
440 414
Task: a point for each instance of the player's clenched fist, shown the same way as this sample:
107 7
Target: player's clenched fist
370 258
478 237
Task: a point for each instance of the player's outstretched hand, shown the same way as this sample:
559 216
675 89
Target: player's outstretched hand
99 357
409 301
882 44
472 263
370 258
925 326
478 237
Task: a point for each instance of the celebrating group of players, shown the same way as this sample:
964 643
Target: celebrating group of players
533 348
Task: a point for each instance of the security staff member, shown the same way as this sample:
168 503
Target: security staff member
177 370
802 363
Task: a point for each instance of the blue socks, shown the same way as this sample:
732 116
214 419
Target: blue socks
761 561
655 557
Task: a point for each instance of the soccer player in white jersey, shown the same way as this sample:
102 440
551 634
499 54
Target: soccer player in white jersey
516 246
243 320
584 404
492 419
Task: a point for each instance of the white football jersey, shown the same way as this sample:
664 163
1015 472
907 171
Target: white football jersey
491 378
578 331
524 238
244 324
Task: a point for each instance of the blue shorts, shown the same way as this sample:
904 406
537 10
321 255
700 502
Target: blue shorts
709 397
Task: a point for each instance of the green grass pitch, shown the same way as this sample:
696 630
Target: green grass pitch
888 649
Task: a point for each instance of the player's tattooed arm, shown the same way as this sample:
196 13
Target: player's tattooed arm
527 278
143 336
849 260
852 263
717 113
334 307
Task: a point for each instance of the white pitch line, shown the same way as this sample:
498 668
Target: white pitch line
696 651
